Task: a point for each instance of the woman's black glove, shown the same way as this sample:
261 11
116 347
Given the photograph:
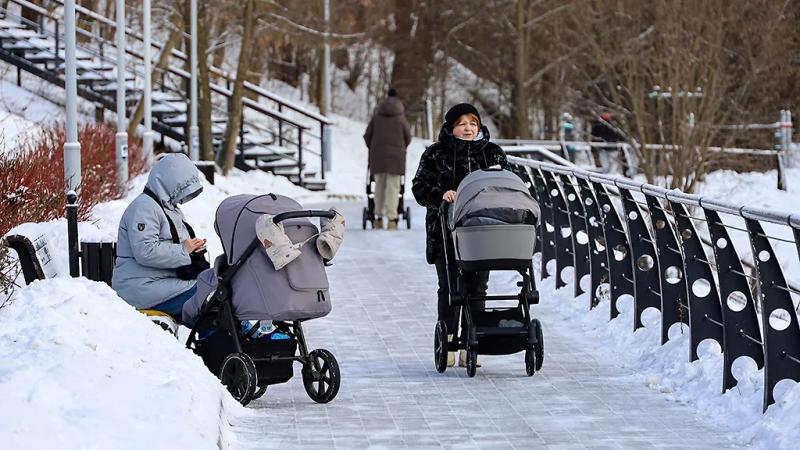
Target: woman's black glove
191 271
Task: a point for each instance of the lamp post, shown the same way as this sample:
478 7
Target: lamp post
72 148
326 84
122 134
147 143
194 130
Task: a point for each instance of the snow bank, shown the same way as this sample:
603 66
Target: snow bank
82 369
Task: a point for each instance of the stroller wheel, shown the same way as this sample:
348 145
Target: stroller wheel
530 361
408 217
238 374
260 392
440 346
321 376
364 219
472 362
535 331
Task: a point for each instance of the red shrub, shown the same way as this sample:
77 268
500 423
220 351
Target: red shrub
32 179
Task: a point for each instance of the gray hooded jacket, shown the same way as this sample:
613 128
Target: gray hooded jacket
144 273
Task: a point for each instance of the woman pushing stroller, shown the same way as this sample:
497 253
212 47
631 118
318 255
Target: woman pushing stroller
463 147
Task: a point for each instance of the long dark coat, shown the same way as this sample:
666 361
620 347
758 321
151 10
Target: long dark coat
387 137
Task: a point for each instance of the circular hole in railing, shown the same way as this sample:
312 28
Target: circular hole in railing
783 389
582 237
736 301
568 274
708 348
593 222
673 274
686 234
571 197
625 304
677 329
743 367
722 242
566 232
600 244
620 252
660 224
645 263
586 283
550 266
588 201
764 255
701 287
780 319
651 317
548 227
603 292
554 193
606 208
633 215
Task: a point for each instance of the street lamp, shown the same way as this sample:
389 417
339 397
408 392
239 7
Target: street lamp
194 130
122 134
72 148
147 143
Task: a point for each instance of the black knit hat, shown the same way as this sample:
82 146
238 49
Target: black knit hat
459 110
392 92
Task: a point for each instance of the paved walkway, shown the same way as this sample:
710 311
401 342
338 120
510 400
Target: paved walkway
381 331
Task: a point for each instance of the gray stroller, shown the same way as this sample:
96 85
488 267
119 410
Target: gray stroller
491 227
244 285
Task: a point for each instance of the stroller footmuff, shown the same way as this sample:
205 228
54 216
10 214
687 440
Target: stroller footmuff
490 227
244 287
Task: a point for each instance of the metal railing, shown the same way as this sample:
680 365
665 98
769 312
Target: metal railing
671 251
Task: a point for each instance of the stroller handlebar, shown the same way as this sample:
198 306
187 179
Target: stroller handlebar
306 213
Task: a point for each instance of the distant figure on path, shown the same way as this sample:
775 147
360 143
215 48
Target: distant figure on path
387 137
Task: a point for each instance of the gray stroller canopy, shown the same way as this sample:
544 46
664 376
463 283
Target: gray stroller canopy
236 217
487 190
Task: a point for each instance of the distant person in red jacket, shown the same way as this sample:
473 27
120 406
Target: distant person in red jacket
387 137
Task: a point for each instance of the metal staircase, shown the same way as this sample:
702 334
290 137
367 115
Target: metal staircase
273 139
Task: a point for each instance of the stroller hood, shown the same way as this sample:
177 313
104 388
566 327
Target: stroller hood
235 221
492 189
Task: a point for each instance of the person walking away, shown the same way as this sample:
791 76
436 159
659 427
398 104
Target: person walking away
566 135
387 137
463 146
605 130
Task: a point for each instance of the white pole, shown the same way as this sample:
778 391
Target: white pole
326 84
429 118
72 148
194 130
148 87
122 134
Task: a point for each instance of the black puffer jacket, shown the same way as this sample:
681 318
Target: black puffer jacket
442 167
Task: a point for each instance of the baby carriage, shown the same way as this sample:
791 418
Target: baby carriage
244 285
491 227
368 214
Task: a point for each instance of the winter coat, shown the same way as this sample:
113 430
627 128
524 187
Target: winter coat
441 168
387 137
603 132
144 272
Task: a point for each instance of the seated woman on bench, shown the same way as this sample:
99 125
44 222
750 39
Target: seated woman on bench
158 255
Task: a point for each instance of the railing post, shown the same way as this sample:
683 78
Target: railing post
241 134
300 181
598 259
620 267
322 138
72 234
705 316
280 126
781 332
674 293
646 278
58 42
563 232
741 332
580 239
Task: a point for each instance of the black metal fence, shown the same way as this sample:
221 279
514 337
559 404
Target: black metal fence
673 252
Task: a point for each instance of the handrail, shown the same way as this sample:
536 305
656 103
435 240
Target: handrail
746 212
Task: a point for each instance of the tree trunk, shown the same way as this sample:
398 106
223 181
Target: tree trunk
413 55
519 111
204 88
235 109
163 59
